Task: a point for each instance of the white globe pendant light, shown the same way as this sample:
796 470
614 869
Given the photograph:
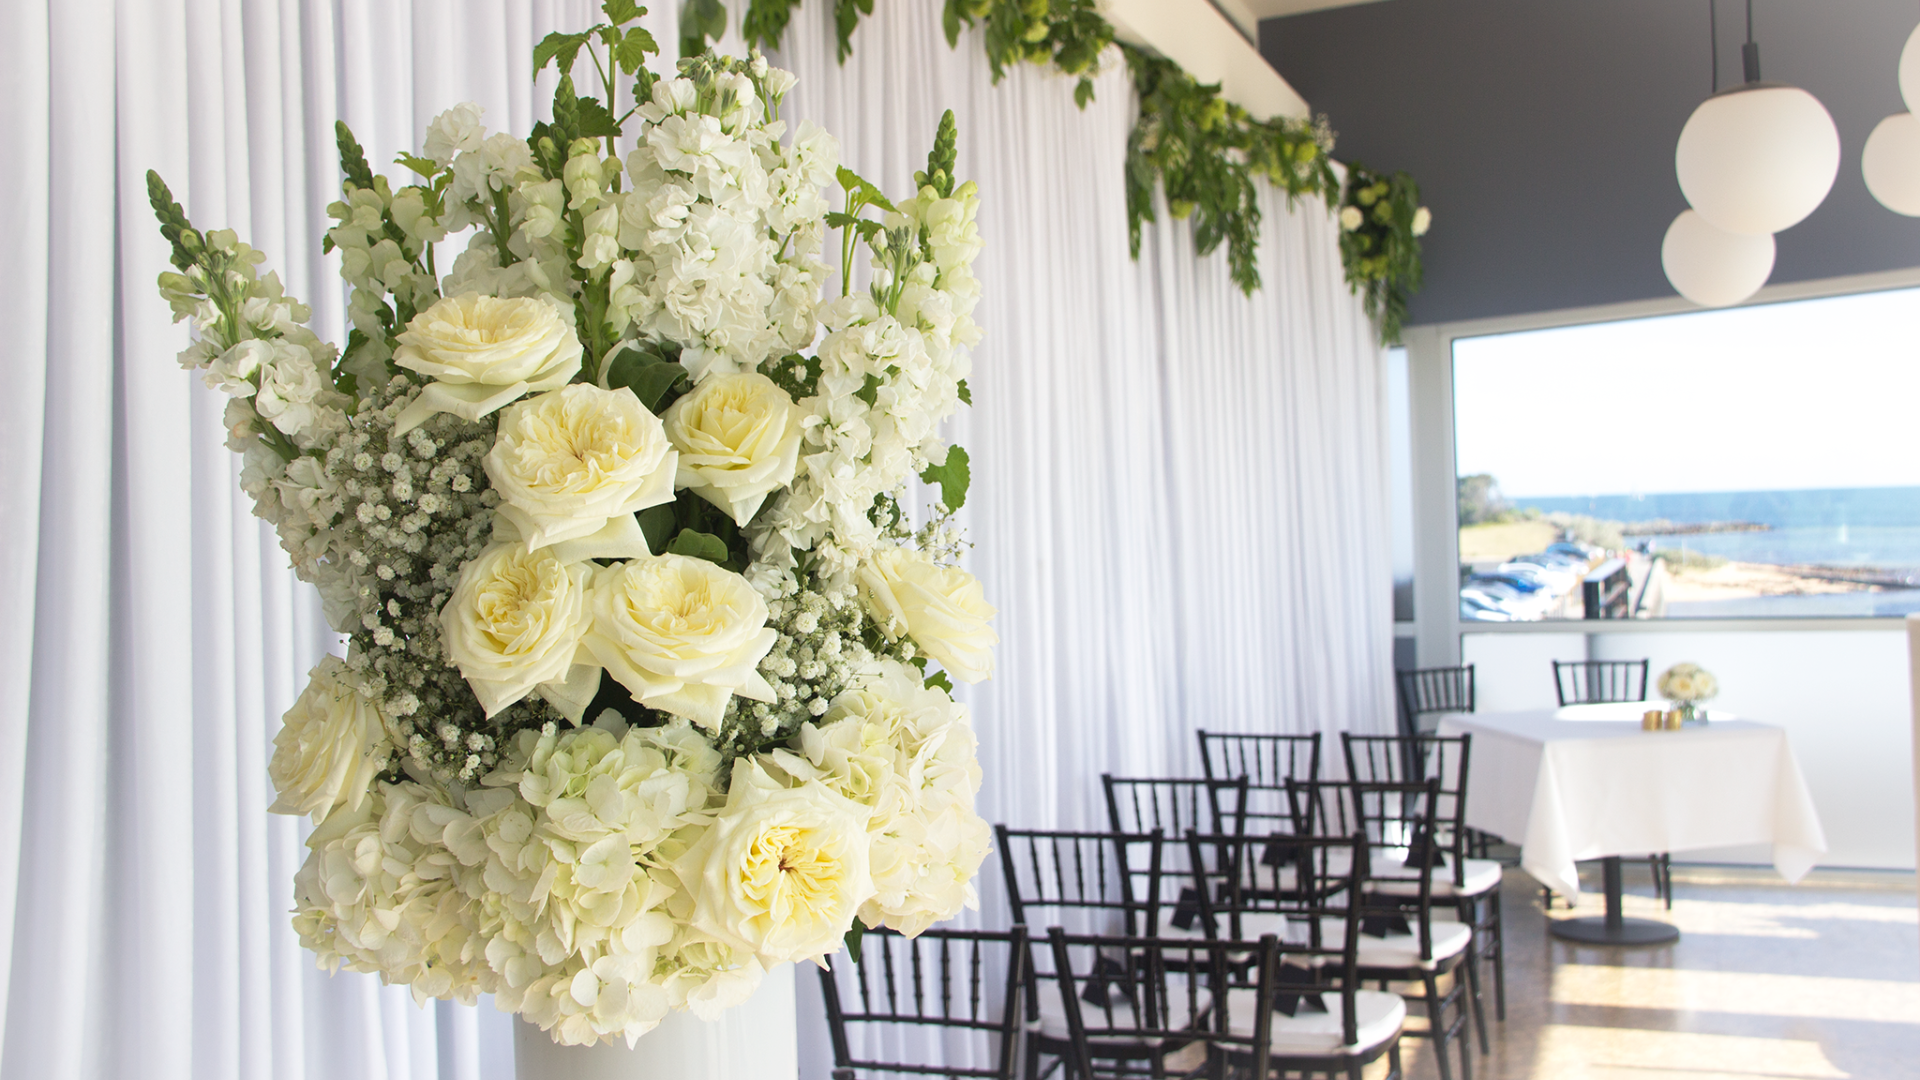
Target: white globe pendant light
1910 72
1759 157
1890 162
1713 267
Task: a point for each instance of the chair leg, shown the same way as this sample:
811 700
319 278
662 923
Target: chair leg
1499 958
1437 1025
1472 963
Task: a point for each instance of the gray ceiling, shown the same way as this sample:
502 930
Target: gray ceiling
1542 131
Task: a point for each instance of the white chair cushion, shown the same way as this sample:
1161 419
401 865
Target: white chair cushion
1318 1034
1392 878
1401 952
1053 1014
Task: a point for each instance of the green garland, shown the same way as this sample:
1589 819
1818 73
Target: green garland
1202 150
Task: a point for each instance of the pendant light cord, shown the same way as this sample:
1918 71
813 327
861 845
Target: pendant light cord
1713 42
1750 52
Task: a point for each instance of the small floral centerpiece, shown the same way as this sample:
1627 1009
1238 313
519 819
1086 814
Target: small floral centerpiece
1686 685
612 510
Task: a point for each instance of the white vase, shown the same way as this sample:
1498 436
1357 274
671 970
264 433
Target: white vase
755 1040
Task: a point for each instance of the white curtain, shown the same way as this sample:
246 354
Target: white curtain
1178 494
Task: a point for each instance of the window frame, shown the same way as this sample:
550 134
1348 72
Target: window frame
1436 529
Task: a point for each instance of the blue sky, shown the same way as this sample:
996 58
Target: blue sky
1807 394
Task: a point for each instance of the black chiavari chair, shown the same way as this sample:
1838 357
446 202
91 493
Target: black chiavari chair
942 982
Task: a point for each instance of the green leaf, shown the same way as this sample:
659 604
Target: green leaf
426 167
648 374
699 545
950 22
854 934
353 160
622 12
953 475
559 49
862 191
593 121
765 22
966 392
657 523
1083 92
632 51
701 21
869 391
939 679
846 16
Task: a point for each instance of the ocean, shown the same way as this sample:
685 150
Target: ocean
1850 527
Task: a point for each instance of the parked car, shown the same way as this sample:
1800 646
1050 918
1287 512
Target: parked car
1583 552
1554 579
1512 581
1475 607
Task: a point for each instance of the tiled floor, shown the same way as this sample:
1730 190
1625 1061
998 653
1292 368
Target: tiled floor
1767 980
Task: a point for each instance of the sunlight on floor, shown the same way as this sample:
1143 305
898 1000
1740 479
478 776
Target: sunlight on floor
1731 919
1738 992
1567 1052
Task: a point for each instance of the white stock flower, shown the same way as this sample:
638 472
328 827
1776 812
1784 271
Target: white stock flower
739 440
572 462
484 353
681 634
943 609
514 621
782 871
232 371
331 745
292 389
458 130
1351 218
1422 221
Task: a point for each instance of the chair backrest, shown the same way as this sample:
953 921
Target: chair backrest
1429 690
1268 762
1397 820
942 981
1051 875
1394 759
1307 878
1590 682
1121 1005
1144 804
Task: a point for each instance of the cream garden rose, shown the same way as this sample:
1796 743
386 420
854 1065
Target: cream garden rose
942 608
484 352
515 620
1687 682
577 462
739 440
681 634
782 871
331 745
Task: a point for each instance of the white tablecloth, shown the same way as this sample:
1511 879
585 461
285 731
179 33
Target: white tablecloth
1585 782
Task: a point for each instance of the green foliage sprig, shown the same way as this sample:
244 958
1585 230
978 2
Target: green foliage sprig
1205 152
1202 150
1381 222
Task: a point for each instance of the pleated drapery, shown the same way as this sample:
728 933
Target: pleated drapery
1178 499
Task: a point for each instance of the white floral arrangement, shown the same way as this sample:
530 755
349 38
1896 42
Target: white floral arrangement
634 701
1687 684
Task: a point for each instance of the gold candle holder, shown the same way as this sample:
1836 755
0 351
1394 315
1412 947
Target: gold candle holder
1652 719
1673 719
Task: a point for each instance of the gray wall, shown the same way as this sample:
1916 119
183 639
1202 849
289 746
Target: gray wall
1542 131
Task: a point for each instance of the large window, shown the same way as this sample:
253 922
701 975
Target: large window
1756 462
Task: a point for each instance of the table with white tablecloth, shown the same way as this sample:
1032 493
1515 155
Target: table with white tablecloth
1586 782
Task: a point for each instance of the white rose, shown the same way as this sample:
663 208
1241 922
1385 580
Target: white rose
483 353
739 440
575 461
942 608
331 745
455 131
1351 218
515 621
681 634
1422 221
782 871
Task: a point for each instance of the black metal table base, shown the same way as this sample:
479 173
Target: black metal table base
1613 928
